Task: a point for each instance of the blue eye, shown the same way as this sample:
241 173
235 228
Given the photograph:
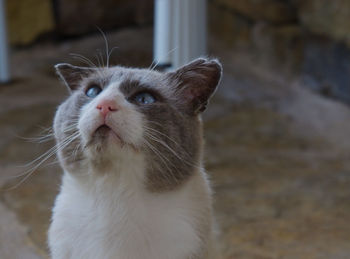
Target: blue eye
93 91
145 98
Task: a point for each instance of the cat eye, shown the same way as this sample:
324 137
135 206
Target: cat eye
93 91
144 98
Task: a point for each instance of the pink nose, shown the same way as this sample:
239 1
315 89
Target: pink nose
106 106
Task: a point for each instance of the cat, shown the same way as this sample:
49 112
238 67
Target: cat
130 144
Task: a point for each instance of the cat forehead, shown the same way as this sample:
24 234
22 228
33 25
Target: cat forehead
129 78
142 76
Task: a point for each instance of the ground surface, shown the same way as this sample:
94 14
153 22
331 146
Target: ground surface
277 155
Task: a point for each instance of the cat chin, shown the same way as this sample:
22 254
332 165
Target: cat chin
109 145
111 157
104 135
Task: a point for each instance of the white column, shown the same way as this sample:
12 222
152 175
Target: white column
180 31
4 60
190 26
163 14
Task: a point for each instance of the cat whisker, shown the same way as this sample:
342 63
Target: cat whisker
39 139
45 129
106 45
161 133
154 138
43 158
97 57
75 151
88 62
54 162
155 123
159 154
110 53
99 54
84 59
161 157
155 64
54 149
45 135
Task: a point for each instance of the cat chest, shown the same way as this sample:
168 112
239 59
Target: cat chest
129 228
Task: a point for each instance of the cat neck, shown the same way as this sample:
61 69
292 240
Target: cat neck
132 213
127 172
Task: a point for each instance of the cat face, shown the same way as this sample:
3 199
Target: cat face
119 114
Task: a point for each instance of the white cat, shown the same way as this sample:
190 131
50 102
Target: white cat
130 145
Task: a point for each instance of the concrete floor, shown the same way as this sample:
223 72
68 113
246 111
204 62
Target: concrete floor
277 154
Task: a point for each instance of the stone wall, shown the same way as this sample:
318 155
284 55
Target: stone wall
76 17
320 17
29 20
309 39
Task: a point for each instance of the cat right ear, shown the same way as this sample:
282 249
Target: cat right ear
196 82
72 75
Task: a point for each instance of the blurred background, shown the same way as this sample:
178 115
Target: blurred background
277 130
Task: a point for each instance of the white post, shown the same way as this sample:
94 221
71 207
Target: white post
163 32
180 31
4 66
189 31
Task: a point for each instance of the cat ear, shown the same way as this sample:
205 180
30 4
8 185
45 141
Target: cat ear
72 75
196 82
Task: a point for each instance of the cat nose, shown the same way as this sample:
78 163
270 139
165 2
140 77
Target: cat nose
106 106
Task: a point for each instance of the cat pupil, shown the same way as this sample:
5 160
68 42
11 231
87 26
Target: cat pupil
93 91
145 98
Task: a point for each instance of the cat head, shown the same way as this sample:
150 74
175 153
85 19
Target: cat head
118 115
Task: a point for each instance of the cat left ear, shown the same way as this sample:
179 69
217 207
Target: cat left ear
196 82
72 75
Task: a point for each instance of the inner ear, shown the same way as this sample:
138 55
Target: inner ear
72 75
196 82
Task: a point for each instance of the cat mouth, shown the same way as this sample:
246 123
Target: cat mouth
104 135
104 131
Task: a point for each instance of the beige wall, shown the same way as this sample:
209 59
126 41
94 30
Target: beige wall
30 19
27 19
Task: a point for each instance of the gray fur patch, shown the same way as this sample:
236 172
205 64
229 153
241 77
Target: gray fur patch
172 128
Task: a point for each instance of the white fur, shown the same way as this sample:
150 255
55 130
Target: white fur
110 214
127 122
